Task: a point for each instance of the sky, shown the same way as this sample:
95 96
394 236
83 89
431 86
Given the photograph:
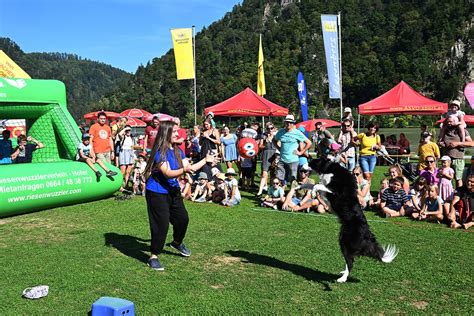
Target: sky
122 33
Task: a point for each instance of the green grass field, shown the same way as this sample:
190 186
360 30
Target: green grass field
246 260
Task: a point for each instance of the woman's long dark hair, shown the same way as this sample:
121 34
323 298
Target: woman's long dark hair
162 143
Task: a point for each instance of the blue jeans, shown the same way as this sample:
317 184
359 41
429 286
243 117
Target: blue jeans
367 163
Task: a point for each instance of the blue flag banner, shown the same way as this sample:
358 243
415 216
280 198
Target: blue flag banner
331 49
302 94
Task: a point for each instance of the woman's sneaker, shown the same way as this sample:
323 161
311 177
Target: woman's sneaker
110 173
181 248
98 175
155 264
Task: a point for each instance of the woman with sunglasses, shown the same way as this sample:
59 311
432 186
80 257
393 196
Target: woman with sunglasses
268 150
369 143
431 172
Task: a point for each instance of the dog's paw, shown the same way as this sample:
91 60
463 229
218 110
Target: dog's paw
321 187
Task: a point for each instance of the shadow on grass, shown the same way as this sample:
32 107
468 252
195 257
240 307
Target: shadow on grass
133 247
307 273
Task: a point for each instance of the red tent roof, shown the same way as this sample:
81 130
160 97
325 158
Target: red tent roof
402 99
246 103
468 119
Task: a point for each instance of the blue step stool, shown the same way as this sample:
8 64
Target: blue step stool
113 306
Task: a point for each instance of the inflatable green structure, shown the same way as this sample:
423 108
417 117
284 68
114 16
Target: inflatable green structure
53 178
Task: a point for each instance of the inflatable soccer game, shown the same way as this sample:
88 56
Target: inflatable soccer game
53 178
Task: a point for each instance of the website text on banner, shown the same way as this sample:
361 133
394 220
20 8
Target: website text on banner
183 52
9 69
331 49
302 94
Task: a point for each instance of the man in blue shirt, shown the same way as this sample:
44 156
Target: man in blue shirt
287 140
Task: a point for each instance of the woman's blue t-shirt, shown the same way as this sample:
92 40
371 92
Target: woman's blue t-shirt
158 182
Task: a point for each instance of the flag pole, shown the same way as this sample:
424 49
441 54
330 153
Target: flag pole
340 59
194 61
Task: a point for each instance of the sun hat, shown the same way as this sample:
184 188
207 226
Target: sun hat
230 172
290 118
202 175
445 158
220 176
347 109
455 102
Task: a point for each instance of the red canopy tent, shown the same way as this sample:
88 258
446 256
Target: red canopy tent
246 103
309 125
402 99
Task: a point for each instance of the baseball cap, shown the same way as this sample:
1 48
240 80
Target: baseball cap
445 158
86 136
347 109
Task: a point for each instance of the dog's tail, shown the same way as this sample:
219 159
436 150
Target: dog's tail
390 252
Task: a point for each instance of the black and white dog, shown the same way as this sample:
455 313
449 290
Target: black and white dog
355 238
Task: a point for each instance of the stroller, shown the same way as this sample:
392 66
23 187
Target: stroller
409 169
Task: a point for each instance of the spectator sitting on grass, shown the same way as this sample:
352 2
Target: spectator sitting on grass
231 194
201 191
299 198
460 213
394 199
383 186
431 172
85 153
275 196
432 208
24 151
418 193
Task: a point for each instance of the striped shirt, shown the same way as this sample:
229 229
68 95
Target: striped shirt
394 199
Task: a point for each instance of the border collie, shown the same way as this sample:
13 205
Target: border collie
355 238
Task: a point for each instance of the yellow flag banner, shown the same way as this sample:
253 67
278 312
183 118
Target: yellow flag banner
9 69
261 91
183 52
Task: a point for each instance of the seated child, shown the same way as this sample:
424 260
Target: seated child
231 194
201 191
319 202
455 112
394 198
418 194
275 196
218 188
185 183
432 208
85 153
138 175
461 215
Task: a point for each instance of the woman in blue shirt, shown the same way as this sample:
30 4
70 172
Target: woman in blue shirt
163 195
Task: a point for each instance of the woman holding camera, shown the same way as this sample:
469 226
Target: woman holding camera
163 195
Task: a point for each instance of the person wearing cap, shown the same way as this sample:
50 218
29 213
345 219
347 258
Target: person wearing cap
201 191
126 153
287 140
23 153
425 149
455 111
85 153
299 198
345 138
347 115
451 135
231 193
101 139
116 129
163 194
138 179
